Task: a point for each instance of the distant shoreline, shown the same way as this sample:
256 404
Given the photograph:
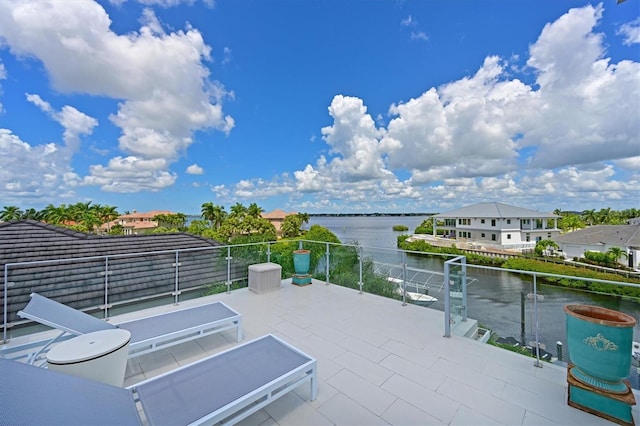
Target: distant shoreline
367 214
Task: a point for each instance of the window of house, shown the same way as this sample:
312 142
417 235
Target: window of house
508 236
528 237
481 220
482 235
549 235
508 221
493 237
493 222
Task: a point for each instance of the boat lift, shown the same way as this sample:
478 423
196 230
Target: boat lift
418 282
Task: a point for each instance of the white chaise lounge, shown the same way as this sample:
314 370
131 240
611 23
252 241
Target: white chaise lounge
147 334
223 388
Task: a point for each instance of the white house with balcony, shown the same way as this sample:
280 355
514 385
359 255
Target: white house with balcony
496 225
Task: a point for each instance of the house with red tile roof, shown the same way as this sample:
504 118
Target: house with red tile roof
276 217
136 223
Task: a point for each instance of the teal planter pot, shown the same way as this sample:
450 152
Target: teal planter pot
599 342
301 260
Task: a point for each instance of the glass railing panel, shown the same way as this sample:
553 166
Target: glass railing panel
383 271
79 281
522 316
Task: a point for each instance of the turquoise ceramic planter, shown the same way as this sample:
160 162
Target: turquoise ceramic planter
301 260
599 342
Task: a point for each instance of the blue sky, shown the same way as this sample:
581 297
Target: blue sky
320 106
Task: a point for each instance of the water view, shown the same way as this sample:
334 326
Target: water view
495 298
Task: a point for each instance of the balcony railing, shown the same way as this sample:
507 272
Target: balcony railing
508 303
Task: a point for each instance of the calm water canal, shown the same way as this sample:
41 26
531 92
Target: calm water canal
494 297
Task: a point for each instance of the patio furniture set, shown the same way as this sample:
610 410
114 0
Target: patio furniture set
223 388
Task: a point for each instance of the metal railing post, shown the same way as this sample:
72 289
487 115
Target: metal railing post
404 278
176 291
106 287
464 288
326 265
447 305
228 258
537 362
5 303
360 283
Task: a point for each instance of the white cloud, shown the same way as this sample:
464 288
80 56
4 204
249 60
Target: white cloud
577 116
408 22
631 32
490 136
33 173
194 169
418 35
74 122
131 174
354 140
227 56
161 106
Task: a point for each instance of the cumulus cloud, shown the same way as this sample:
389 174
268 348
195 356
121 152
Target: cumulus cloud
42 173
194 169
74 122
161 106
631 32
131 174
491 134
576 118
33 173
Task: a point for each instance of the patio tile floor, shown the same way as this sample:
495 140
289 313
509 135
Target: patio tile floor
380 362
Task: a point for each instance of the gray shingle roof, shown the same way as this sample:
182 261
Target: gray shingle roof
81 284
495 210
614 235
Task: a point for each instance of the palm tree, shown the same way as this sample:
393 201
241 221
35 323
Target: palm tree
219 216
54 215
254 210
616 253
590 216
106 214
304 217
179 219
31 214
238 209
571 222
207 211
10 213
214 214
542 246
604 216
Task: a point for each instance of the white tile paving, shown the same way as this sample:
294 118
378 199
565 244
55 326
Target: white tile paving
381 363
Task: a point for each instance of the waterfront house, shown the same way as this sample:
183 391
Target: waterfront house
496 225
276 217
601 238
137 222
